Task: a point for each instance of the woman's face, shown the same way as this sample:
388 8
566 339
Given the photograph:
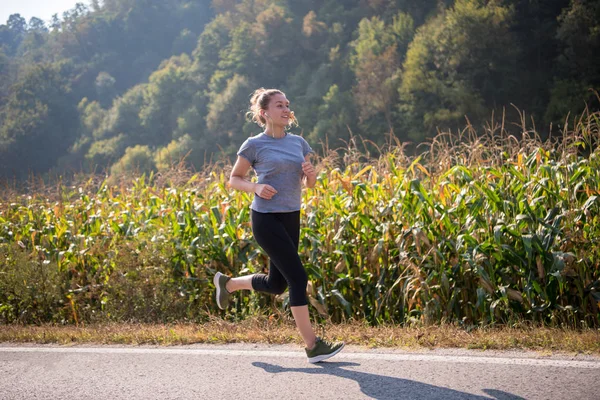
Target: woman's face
278 111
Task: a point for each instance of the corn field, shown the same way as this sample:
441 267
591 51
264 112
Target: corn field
478 229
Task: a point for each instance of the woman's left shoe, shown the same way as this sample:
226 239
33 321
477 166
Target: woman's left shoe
222 295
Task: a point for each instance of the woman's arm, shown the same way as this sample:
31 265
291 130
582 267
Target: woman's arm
237 181
310 174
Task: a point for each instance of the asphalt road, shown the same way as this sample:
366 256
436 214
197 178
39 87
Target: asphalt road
281 372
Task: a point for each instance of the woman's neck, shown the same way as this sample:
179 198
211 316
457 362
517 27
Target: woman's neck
276 132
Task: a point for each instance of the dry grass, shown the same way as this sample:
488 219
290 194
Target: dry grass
277 332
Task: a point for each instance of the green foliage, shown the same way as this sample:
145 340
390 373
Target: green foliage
479 232
150 71
226 112
137 159
167 93
31 288
373 37
446 79
105 87
92 116
102 153
37 105
236 57
184 43
124 115
181 150
579 35
13 33
213 39
335 117
376 65
314 31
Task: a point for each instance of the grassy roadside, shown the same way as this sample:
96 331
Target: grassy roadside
264 331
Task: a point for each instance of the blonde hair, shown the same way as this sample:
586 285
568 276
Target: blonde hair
259 100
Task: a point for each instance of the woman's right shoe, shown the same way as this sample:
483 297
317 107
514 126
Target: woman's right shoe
222 295
323 350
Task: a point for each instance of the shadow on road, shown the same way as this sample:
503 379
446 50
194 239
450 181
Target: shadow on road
386 387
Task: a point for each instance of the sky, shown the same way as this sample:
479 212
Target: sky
43 9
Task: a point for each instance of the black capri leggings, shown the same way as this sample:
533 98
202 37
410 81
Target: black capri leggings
278 235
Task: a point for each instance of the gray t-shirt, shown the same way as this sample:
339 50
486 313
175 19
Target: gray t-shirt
277 162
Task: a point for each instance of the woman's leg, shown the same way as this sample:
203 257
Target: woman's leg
239 283
273 283
278 235
300 313
302 319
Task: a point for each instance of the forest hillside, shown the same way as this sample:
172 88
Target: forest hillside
138 84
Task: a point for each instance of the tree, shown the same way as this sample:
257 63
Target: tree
275 33
39 122
92 117
123 116
336 117
213 39
105 134
417 10
5 79
534 26
226 115
578 61
314 31
366 66
185 42
377 80
17 24
37 25
102 153
137 159
183 149
166 97
239 56
376 64
31 49
460 63
306 88
12 33
105 87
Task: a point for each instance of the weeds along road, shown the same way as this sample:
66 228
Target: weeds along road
282 372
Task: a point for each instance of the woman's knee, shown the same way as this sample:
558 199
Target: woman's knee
298 296
278 286
298 285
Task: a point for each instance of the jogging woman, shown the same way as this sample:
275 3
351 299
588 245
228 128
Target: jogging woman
281 161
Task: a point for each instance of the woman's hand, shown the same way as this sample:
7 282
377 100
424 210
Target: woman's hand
310 173
265 191
309 170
